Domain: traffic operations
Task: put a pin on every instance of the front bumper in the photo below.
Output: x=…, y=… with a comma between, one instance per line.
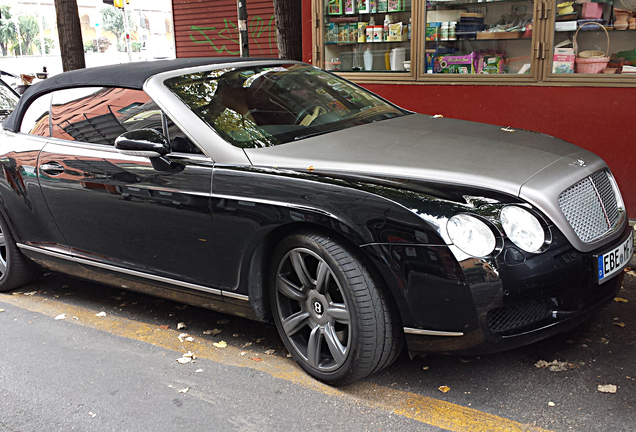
x=512, y=300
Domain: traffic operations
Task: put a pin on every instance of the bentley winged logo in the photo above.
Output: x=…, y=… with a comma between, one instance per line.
x=578, y=163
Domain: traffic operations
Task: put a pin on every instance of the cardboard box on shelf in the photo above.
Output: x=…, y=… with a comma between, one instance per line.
x=563, y=61
x=455, y=64
x=432, y=31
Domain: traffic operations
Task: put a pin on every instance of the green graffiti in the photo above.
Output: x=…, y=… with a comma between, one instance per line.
x=257, y=27
x=210, y=35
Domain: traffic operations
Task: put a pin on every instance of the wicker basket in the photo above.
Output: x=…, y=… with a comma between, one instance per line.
x=591, y=61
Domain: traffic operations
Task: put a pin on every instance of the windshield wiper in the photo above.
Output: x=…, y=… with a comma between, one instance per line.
x=300, y=137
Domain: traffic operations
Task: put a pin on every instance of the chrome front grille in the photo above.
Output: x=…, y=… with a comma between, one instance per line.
x=591, y=206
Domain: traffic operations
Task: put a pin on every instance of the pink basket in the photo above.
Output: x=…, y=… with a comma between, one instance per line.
x=591, y=62
x=591, y=65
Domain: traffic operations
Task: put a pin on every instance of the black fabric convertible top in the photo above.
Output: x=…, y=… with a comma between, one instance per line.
x=129, y=75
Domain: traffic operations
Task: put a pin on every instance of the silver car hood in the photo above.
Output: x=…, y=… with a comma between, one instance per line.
x=420, y=147
x=453, y=151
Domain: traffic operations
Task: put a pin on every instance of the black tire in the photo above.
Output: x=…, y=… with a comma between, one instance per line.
x=16, y=270
x=334, y=319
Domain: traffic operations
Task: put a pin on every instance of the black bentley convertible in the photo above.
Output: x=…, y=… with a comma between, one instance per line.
x=276, y=191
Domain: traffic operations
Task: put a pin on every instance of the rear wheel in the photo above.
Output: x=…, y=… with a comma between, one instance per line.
x=15, y=269
x=333, y=318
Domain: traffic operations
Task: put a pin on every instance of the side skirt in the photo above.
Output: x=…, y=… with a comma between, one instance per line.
x=158, y=286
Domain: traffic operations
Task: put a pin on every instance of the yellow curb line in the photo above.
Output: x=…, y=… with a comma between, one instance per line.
x=424, y=409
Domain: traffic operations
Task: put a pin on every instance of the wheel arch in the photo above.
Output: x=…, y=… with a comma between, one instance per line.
x=256, y=277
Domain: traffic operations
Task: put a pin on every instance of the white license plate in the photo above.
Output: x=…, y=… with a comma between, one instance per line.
x=613, y=261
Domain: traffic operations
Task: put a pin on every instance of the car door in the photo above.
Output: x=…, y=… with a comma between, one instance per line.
x=119, y=211
x=22, y=199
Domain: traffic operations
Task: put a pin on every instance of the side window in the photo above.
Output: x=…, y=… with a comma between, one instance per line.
x=36, y=117
x=98, y=115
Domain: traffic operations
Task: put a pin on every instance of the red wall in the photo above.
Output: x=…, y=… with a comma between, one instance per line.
x=597, y=119
x=206, y=28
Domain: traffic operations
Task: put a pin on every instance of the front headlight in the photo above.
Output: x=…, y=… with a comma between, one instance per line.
x=471, y=235
x=522, y=228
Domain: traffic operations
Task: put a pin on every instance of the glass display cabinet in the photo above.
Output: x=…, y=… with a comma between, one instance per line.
x=556, y=42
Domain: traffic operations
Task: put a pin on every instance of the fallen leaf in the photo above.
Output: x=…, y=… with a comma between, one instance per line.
x=185, y=390
x=259, y=340
x=164, y=326
x=181, y=325
x=256, y=359
x=605, y=341
x=235, y=335
x=31, y=293
x=620, y=300
x=247, y=344
x=76, y=318
x=443, y=389
x=551, y=404
x=607, y=388
x=60, y=317
x=190, y=339
x=425, y=368
x=123, y=304
x=101, y=314
x=220, y=344
x=630, y=272
x=182, y=336
x=620, y=324
x=270, y=352
x=223, y=322
x=554, y=366
x=288, y=355
x=187, y=357
x=212, y=332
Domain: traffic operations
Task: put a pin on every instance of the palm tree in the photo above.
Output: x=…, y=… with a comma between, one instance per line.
x=7, y=29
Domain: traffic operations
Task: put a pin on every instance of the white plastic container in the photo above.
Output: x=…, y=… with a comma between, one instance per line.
x=398, y=55
x=444, y=31
x=368, y=59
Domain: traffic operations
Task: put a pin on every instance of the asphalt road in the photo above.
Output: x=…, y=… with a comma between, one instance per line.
x=119, y=372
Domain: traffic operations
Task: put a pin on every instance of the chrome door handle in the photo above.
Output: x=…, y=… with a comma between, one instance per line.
x=52, y=168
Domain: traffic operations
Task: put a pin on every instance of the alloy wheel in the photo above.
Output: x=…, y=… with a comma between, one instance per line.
x=312, y=310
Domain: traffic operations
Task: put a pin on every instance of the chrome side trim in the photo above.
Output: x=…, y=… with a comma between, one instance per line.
x=173, y=191
x=423, y=332
x=45, y=251
x=128, y=272
x=271, y=202
x=233, y=295
x=149, y=276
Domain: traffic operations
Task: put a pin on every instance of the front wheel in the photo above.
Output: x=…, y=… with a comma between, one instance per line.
x=334, y=320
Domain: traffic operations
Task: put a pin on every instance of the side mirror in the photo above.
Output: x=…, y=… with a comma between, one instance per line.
x=143, y=142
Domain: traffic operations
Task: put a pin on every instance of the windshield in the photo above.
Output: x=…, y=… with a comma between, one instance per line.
x=265, y=106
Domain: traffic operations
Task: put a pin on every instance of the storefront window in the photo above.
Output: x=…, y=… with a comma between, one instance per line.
x=367, y=35
x=479, y=37
x=594, y=38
